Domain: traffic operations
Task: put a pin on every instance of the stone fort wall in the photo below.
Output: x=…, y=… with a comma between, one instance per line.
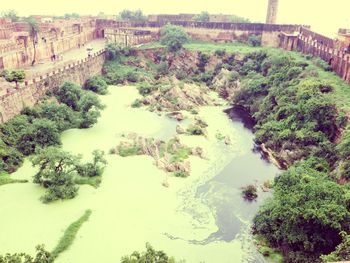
x=207, y=31
x=13, y=101
x=331, y=51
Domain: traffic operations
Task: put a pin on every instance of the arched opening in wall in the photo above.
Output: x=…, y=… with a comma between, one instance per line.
x=103, y=33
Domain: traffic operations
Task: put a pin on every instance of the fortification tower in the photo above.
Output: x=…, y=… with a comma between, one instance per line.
x=272, y=12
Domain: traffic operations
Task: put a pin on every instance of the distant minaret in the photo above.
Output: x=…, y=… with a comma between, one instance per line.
x=272, y=12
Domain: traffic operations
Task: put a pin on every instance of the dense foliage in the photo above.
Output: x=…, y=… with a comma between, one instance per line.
x=42, y=256
x=97, y=84
x=306, y=214
x=173, y=37
x=129, y=15
x=298, y=119
x=202, y=17
x=150, y=256
x=58, y=170
x=40, y=126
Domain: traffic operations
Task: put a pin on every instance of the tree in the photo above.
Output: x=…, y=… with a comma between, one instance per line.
x=41, y=133
x=129, y=15
x=15, y=76
x=56, y=173
x=71, y=16
x=202, y=17
x=173, y=37
x=306, y=214
x=97, y=84
x=10, y=14
x=69, y=94
x=150, y=256
x=94, y=168
x=42, y=256
x=33, y=32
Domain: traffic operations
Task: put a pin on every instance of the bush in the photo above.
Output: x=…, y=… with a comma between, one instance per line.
x=250, y=192
x=42, y=256
x=163, y=68
x=180, y=74
x=150, y=255
x=145, y=88
x=173, y=37
x=220, y=52
x=254, y=41
x=69, y=94
x=132, y=76
x=97, y=84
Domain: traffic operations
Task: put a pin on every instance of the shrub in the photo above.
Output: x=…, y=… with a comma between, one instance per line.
x=254, y=41
x=173, y=37
x=97, y=84
x=220, y=52
x=132, y=76
x=137, y=104
x=250, y=192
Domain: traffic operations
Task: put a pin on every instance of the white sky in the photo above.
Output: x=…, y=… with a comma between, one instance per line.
x=324, y=16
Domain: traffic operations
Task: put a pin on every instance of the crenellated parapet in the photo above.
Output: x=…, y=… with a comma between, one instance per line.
x=13, y=100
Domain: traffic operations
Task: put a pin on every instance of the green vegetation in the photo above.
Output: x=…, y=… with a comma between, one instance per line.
x=254, y=41
x=150, y=256
x=202, y=17
x=342, y=251
x=10, y=14
x=42, y=256
x=135, y=16
x=34, y=30
x=239, y=19
x=69, y=235
x=6, y=179
x=129, y=150
x=14, y=76
x=250, y=192
x=173, y=37
x=41, y=125
x=306, y=214
x=97, y=84
x=60, y=171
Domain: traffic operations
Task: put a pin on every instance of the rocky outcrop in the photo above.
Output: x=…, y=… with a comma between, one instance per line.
x=168, y=156
x=225, y=84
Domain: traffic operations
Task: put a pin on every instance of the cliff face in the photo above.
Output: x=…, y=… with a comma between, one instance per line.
x=30, y=92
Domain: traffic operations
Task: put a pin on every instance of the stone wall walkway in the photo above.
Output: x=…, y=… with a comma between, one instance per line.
x=45, y=66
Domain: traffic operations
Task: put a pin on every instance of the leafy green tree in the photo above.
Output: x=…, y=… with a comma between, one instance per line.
x=254, y=41
x=173, y=37
x=69, y=94
x=71, y=16
x=42, y=256
x=15, y=76
x=10, y=14
x=33, y=32
x=150, y=256
x=128, y=15
x=306, y=214
x=94, y=168
x=56, y=173
x=41, y=133
x=64, y=117
x=202, y=17
x=97, y=84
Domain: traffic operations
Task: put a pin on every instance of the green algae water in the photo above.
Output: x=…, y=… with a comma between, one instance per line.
x=202, y=218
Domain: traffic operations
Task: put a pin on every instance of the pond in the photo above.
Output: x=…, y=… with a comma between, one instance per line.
x=202, y=218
